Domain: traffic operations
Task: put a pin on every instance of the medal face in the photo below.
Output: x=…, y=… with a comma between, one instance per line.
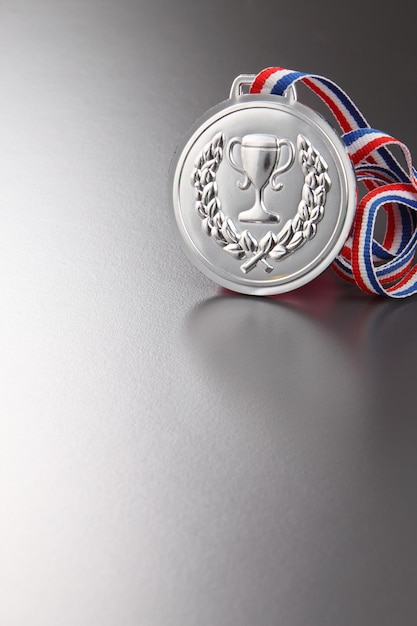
x=264, y=194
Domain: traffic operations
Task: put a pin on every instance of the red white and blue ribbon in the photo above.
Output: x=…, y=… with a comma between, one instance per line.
x=387, y=268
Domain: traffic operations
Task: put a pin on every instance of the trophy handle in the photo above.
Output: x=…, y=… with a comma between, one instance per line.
x=286, y=166
x=232, y=143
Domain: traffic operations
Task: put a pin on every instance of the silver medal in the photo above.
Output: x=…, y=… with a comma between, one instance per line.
x=264, y=193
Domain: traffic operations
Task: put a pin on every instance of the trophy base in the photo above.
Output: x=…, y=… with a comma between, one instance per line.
x=258, y=215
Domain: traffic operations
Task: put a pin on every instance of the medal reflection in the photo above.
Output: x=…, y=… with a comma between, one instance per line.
x=261, y=157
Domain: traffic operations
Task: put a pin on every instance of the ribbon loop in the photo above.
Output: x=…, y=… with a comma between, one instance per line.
x=386, y=268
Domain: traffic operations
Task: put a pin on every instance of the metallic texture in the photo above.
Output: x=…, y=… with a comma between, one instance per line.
x=260, y=156
x=261, y=137
x=296, y=232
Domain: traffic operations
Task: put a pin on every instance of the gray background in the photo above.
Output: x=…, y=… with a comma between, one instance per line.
x=170, y=454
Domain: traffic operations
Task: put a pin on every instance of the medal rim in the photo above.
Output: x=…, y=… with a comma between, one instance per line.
x=348, y=193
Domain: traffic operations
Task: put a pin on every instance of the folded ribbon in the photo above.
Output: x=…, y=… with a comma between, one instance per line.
x=387, y=268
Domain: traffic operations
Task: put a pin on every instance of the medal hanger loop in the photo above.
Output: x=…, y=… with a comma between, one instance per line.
x=241, y=84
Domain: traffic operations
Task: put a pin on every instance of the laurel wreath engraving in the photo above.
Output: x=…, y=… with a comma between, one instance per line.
x=243, y=245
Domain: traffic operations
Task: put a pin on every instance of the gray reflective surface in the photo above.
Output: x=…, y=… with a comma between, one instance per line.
x=172, y=454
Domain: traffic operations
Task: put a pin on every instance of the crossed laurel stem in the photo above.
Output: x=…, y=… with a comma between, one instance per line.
x=296, y=231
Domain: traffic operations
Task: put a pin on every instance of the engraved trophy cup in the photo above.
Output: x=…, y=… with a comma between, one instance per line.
x=261, y=157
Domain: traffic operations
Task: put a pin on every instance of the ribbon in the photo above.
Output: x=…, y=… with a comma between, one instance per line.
x=387, y=268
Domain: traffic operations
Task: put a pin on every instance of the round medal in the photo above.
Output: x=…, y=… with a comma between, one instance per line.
x=264, y=193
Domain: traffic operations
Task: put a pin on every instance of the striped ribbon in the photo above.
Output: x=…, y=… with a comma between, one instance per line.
x=385, y=268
